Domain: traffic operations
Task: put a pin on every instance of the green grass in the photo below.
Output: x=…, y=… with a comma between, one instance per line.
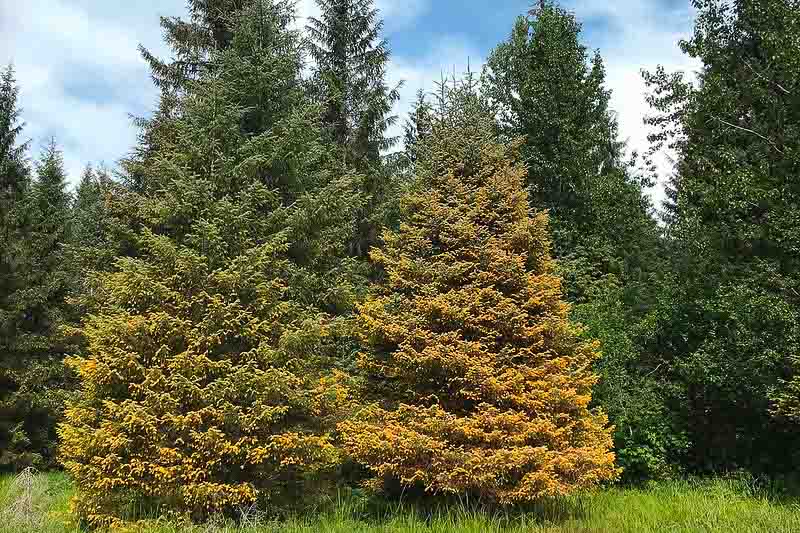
x=721, y=505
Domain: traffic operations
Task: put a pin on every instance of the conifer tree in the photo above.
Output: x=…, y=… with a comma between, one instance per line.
x=351, y=59
x=207, y=384
x=31, y=314
x=13, y=169
x=549, y=90
x=192, y=41
x=730, y=323
x=417, y=127
x=481, y=384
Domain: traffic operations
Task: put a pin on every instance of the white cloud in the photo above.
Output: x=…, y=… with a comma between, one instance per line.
x=399, y=13
x=644, y=36
x=80, y=74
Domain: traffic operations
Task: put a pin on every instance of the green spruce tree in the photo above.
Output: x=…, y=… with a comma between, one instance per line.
x=31, y=316
x=351, y=60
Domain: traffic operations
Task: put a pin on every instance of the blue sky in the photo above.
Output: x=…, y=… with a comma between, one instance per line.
x=81, y=75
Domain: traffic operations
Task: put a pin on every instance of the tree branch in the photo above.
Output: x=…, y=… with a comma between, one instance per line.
x=773, y=82
x=749, y=131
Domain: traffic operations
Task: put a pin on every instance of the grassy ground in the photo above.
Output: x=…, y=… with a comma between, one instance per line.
x=40, y=504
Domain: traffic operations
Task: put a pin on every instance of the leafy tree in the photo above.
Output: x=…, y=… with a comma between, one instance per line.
x=550, y=91
x=349, y=80
x=481, y=384
x=729, y=337
x=208, y=383
x=31, y=314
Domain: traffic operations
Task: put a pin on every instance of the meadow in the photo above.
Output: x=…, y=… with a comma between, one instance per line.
x=40, y=504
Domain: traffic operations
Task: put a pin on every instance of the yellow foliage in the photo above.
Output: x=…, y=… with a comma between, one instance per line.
x=205, y=400
x=480, y=383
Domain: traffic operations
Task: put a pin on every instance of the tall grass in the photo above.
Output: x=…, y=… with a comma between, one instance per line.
x=720, y=505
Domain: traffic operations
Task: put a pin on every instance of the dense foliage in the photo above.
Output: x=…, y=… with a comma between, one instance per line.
x=550, y=91
x=728, y=328
x=482, y=386
x=269, y=298
x=34, y=281
x=207, y=382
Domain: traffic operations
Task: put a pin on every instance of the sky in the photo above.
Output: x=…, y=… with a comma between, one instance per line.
x=81, y=77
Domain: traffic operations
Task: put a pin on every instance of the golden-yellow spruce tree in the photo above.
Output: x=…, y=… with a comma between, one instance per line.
x=481, y=384
x=206, y=381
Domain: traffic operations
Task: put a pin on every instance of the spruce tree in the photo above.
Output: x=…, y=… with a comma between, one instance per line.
x=349, y=80
x=730, y=324
x=549, y=90
x=192, y=42
x=207, y=382
x=13, y=168
x=481, y=385
x=417, y=127
x=31, y=315
x=350, y=74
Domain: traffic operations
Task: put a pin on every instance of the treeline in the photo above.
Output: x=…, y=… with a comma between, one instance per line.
x=271, y=296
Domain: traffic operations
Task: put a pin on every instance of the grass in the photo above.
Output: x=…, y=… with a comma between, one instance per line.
x=41, y=504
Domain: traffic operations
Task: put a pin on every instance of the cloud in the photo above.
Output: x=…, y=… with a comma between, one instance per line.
x=80, y=74
x=633, y=35
x=398, y=14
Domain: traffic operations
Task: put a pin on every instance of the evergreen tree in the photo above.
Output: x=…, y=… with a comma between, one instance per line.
x=351, y=60
x=13, y=168
x=551, y=92
x=417, y=127
x=192, y=42
x=481, y=384
x=730, y=324
x=207, y=383
x=31, y=314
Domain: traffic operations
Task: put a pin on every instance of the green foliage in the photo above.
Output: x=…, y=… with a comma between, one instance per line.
x=13, y=167
x=208, y=382
x=349, y=81
x=192, y=41
x=728, y=505
x=32, y=307
x=729, y=330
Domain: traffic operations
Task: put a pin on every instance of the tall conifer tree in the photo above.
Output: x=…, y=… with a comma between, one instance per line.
x=217, y=333
x=31, y=314
x=351, y=58
x=481, y=385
